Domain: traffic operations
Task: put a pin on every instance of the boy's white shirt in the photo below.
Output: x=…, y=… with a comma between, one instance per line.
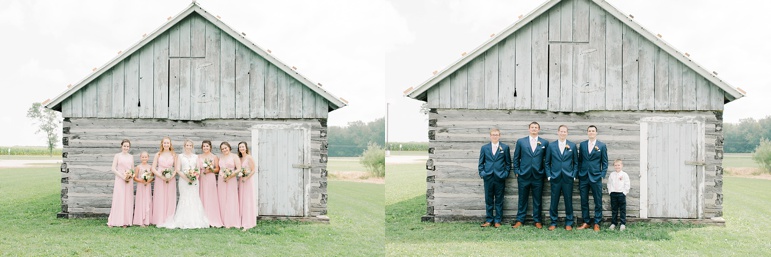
x=615, y=185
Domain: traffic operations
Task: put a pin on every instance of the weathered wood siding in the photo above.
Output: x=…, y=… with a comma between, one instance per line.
x=195, y=71
x=91, y=143
x=455, y=191
x=576, y=57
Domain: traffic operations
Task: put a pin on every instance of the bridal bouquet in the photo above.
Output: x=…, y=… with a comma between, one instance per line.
x=147, y=175
x=191, y=175
x=207, y=165
x=244, y=173
x=129, y=173
x=227, y=172
x=167, y=173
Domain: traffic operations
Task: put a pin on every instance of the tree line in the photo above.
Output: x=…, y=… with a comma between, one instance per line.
x=353, y=139
x=745, y=136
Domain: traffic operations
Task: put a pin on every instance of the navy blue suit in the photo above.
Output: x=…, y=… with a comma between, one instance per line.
x=561, y=169
x=494, y=169
x=591, y=169
x=529, y=167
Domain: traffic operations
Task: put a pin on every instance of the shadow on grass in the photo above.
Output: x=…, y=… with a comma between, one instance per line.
x=403, y=225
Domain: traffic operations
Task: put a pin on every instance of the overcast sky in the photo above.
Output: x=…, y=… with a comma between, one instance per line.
x=358, y=49
x=729, y=37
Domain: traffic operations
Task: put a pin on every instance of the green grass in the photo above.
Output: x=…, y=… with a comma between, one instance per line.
x=745, y=209
x=739, y=160
x=30, y=201
x=336, y=164
x=410, y=153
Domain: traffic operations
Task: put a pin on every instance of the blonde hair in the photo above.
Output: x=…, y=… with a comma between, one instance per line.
x=171, y=146
x=495, y=130
x=144, y=153
x=191, y=143
x=617, y=161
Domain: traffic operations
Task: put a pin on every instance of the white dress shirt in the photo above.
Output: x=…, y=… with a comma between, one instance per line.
x=618, y=181
x=495, y=148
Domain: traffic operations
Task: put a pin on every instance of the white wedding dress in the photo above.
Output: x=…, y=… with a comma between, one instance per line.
x=190, y=212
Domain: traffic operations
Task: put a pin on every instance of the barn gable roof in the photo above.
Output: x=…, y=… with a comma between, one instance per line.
x=334, y=102
x=420, y=92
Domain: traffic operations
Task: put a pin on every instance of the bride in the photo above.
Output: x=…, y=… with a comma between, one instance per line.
x=190, y=212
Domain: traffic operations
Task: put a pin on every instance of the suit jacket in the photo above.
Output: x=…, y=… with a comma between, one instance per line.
x=593, y=164
x=565, y=163
x=498, y=165
x=529, y=164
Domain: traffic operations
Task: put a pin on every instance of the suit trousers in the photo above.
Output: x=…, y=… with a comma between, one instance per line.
x=618, y=204
x=584, y=185
x=525, y=187
x=494, y=188
x=561, y=186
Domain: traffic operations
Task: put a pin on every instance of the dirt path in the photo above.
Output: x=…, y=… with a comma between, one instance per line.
x=26, y=163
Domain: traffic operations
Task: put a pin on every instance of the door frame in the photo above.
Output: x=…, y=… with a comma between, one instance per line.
x=306, y=130
x=700, y=169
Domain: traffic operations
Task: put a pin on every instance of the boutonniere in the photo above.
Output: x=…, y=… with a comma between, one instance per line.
x=500, y=149
x=567, y=147
x=538, y=142
x=596, y=148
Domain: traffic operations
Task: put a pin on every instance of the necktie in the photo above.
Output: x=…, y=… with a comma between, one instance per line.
x=562, y=148
x=532, y=144
x=591, y=147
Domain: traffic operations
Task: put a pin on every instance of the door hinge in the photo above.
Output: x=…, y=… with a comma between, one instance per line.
x=695, y=163
x=301, y=166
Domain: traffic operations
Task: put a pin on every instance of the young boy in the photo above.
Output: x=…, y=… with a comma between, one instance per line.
x=618, y=186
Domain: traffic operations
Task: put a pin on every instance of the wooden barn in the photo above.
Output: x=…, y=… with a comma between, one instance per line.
x=196, y=78
x=580, y=62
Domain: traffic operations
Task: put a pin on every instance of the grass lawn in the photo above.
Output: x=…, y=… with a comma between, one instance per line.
x=401, y=153
x=29, y=226
x=739, y=160
x=746, y=210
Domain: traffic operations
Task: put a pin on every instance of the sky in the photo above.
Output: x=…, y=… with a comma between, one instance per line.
x=365, y=51
x=729, y=37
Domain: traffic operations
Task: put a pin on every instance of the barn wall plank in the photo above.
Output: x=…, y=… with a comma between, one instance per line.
x=90, y=98
x=308, y=103
x=675, y=84
x=646, y=75
x=661, y=80
x=243, y=66
x=581, y=20
x=555, y=22
x=131, y=98
x=283, y=94
x=689, y=88
x=630, y=70
x=555, y=90
x=476, y=83
x=295, y=98
x=212, y=86
x=445, y=93
x=582, y=56
x=717, y=97
x=197, y=37
x=702, y=94
x=146, y=79
x=105, y=95
x=595, y=99
x=77, y=104
x=491, y=78
x=258, y=70
x=613, y=64
x=227, y=95
x=540, y=63
x=523, y=69
x=566, y=69
x=566, y=21
x=433, y=97
x=271, y=92
x=174, y=68
x=118, y=89
x=161, y=78
x=507, y=73
x=459, y=88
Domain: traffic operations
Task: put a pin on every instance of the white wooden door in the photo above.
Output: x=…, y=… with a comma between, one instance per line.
x=673, y=167
x=281, y=185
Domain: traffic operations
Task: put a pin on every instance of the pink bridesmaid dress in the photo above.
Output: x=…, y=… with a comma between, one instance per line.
x=209, y=198
x=228, y=195
x=248, y=206
x=122, y=195
x=143, y=205
x=165, y=195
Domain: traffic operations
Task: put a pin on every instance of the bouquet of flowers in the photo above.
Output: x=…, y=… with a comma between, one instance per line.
x=147, y=175
x=227, y=172
x=129, y=174
x=167, y=173
x=207, y=165
x=192, y=175
x=244, y=173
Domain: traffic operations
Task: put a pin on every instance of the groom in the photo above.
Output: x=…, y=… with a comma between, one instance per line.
x=592, y=165
x=529, y=166
x=494, y=166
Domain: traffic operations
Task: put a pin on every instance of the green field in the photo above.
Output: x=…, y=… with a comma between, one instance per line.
x=745, y=210
x=739, y=160
x=402, y=153
x=30, y=228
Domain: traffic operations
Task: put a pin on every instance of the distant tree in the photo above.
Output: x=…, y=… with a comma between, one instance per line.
x=744, y=137
x=48, y=122
x=762, y=154
x=353, y=139
x=373, y=160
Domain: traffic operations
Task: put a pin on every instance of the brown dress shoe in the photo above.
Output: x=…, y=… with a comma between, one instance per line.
x=538, y=225
x=568, y=228
x=551, y=228
x=516, y=225
x=497, y=225
x=584, y=226
x=486, y=224
x=596, y=227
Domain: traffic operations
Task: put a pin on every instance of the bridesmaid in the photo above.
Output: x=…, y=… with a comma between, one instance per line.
x=165, y=191
x=143, y=205
x=123, y=189
x=208, y=185
x=246, y=189
x=227, y=187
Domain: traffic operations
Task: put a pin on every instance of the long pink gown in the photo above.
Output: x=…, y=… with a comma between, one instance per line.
x=122, y=195
x=165, y=195
x=209, y=198
x=228, y=194
x=248, y=206
x=143, y=207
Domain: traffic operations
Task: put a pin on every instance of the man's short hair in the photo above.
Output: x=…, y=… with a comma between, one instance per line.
x=593, y=126
x=561, y=126
x=536, y=123
x=495, y=130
